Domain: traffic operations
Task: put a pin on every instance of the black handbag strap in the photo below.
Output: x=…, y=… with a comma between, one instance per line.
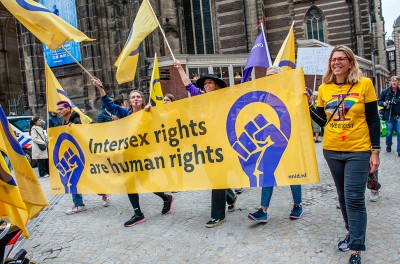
x=337, y=107
x=40, y=135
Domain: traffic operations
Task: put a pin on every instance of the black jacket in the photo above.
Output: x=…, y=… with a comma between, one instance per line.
x=393, y=101
x=74, y=118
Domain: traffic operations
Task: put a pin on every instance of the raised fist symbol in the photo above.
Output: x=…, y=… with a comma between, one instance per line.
x=70, y=168
x=71, y=164
x=262, y=144
x=260, y=148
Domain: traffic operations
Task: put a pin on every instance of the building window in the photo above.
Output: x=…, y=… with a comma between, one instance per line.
x=391, y=56
x=392, y=66
x=198, y=24
x=230, y=74
x=196, y=73
x=315, y=24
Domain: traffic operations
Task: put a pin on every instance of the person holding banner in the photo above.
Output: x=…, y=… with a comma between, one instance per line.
x=347, y=107
x=220, y=197
x=136, y=103
x=261, y=215
x=64, y=110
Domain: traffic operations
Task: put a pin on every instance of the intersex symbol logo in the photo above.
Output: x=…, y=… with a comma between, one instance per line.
x=262, y=144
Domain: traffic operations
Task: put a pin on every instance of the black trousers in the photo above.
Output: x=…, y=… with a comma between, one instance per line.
x=43, y=165
x=134, y=199
x=219, y=199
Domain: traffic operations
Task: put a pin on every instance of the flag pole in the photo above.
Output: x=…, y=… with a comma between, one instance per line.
x=77, y=62
x=265, y=40
x=313, y=90
x=162, y=31
x=152, y=76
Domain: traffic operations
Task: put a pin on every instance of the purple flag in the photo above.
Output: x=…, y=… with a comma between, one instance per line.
x=259, y=56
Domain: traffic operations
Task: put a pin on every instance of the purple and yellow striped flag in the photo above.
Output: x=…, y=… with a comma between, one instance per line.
x=145, y=23
x=55, y=93
x=21, y=196
x=286, y=56
x=156, y=93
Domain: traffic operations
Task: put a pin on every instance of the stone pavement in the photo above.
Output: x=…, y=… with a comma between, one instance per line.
x=98, y=235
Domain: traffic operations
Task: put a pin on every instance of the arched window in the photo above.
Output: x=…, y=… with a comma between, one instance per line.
x=315, y=24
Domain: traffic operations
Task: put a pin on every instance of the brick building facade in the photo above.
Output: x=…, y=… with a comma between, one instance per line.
x=396, y=46
x=207, y=36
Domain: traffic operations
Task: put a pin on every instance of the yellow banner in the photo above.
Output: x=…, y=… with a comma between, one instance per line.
x=252, y=134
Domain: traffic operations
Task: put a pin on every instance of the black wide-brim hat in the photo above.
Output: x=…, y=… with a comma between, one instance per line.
x=218, y=81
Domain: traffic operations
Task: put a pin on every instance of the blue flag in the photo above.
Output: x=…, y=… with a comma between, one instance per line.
x=259, y=56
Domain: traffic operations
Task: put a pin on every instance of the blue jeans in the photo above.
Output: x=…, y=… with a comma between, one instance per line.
x=393, y=124
x=350, y=173
x=266, y=194
x=77, y=199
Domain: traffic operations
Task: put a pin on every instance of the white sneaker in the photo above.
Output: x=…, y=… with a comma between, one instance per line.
x=374, y=196
x=76, y=209
x=45, y=176
x=106, y=199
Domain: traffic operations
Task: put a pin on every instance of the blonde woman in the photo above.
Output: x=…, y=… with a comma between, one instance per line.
x=347, y=107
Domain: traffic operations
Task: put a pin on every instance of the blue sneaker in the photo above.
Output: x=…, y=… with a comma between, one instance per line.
x=343, y=245
x=297, y=212
x=260, y=216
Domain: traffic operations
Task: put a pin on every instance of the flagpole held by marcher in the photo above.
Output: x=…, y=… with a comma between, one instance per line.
x=77, y=62
x=162, y=32
x=263, y=33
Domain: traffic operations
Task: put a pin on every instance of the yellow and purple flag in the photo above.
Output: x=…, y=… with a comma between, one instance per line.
x=49, y=28
x=156, y=93
x=21, y=196
x=56, y=93
x=145, y=23
x=286, y=58
x=259, y=56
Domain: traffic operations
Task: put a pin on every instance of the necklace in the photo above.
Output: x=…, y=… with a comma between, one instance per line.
x=342, y=114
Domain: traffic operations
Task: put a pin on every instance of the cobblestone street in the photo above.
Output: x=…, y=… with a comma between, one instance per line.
x=98, y=235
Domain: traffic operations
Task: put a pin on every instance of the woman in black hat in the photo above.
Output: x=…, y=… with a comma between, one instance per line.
x=219, y=197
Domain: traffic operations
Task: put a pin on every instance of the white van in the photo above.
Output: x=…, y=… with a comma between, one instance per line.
x=20, y=126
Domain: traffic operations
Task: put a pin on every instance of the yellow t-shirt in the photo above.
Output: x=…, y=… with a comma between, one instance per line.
x=348, y=130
